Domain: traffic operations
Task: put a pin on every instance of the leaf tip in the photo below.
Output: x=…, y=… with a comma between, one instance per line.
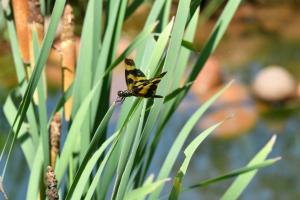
x=231, y=82
x=172, y=19
x=273, y=139
x=155, y=24
x=277, y=158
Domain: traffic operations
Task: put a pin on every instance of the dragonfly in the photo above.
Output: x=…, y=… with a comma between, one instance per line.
x=137, y=83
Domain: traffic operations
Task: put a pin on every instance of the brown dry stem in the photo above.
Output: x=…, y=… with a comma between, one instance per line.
x=21, y=15
x=55, y=132
x=51, y=184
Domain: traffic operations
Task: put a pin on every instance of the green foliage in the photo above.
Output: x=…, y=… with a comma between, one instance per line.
x=93, y=159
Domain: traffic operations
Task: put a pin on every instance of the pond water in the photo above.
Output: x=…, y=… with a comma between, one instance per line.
x=250, y=45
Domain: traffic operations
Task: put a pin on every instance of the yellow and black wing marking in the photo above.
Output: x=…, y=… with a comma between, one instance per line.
x=132, y=74
x=137, y=83
x=147, y=88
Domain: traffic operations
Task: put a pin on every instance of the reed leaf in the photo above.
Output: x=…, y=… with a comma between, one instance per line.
x=188, y=152
x=239, y=185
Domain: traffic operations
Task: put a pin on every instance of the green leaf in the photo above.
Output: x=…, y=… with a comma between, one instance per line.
x=234, y=173
x=27, y=146
x=128, y=164
x=75, y=129
x=142, y=192
x=154, y=13
x=112, y=157
x=176, y=92
x=61, y=102
x=89, y=166
x=165, y=16
x=88, y=154
x=169, y=82
x=89, y=45
x=98, y=174
x=132, y=7
x=153, y=16
x=159, y=48
x=215, y=37
x=188, y=152
x=180, y=139
x=209, y=47
x=102, y=60
x=109, y=162
x=126, y=142
x=86, y=67
x=41, y=61
x=35, y=174
x=41, y=104
x=43, y=7
x=21, y=78
x=15, y=50
x=135, y=43
x=239, y=185
x=189, y=45
x=210, y=9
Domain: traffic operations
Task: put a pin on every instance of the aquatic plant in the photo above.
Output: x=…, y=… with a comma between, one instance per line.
x=92, y=159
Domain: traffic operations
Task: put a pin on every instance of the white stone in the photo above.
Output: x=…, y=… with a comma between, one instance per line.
x=274, y=83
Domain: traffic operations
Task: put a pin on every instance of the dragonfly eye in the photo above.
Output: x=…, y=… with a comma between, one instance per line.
x=129, y=61
x=120, y=93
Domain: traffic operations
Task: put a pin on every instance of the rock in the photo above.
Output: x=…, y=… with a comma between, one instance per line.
x=235, y=94
x=238, y=120
x=274, y=83
x=235, y=105
x=298, y=90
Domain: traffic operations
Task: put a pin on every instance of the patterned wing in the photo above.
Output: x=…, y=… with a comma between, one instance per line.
x=132, y=74
x=148, y=88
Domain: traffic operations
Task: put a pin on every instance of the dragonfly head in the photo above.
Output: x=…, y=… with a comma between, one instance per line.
x=124, y=93
x=129, y=62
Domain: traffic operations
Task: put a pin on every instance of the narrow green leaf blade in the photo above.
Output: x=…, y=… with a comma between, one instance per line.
x=98, y=134
x=235, y=173
x=89, y=166
x=89, y=45
x=136, y=42
x=182, y=136
x=42, y=112
x=215, y=37
x=142, y=192
x=41, y=61
x=27, y=146
x=239, y=185
x=73, y=132
x=177, y=92
x=99, y=172
x=35, y=175
x=124, y=177
x=189, y=151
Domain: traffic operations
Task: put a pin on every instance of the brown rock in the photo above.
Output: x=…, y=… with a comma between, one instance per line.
x=298, y=90
x=236, y=93
x=240, y=120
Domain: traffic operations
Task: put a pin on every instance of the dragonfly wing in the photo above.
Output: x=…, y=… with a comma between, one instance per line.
x=132, y=74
